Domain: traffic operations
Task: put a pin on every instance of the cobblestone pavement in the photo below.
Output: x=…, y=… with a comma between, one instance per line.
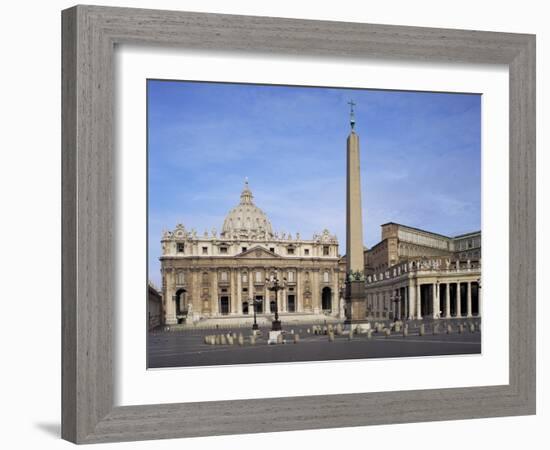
x=187, y=348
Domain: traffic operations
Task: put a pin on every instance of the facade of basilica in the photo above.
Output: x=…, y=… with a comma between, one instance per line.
x=222, y=276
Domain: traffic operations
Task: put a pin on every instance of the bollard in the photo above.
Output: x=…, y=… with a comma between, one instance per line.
x=230, y=340
x=339, y=329
x=218, y=339
x=350, y=335
x=369, y=334
x=331, y=337
x=449, y=329
x=387, y=332
x=421, y=330
x=308, y=331
x=223, y=339
x=461, y=328
x=240, y=339
x=397, y=327
x=296, y=338
x=252, y=339
x=435, y=329
x=405, y=331
x=472, y=328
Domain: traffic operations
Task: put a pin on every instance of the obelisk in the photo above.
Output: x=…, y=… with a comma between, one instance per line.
x=355, y=263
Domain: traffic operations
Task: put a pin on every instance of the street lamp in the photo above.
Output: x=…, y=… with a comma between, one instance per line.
x=255, y=303
x=396, y=298
x=275, y=285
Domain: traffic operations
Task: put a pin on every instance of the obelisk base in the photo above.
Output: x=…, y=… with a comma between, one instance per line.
x=356, y=308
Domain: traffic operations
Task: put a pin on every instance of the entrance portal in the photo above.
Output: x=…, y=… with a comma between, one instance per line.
x=259, y=304
x=224, y=305
x=291, y=303
x=326, y=301
x=181, y=307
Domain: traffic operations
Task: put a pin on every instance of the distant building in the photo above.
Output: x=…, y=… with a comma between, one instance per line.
x=155, y=313
x=414, y=274
x=401, y=242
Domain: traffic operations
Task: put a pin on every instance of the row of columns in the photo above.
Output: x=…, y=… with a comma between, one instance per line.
x=409, y=300
x=436, y=291
x=235, y=292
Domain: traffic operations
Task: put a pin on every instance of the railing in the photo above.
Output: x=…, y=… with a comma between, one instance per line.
x=425, y=265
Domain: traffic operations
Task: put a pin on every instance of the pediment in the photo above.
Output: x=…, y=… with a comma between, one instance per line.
x=258, y=253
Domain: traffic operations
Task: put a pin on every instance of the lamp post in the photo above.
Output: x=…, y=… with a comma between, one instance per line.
x=255, y=303
x=396, y=298
x=275, y=285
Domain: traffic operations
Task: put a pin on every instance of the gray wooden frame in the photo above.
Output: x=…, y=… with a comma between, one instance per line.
x=89, y=35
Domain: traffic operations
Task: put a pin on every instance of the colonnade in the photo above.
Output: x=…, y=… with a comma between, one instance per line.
x=214, y=292
x=417, y=299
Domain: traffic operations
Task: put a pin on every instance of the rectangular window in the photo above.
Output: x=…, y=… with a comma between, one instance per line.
x=224, y=276
x=290, y=251
x=205, y=250
x=180, y=247
x=272, y=249
x=306, y=252
x=258, y=277
x=180, y=278
x=223, y=250
x=326, y=250
x=291, y=276
x=244, y=249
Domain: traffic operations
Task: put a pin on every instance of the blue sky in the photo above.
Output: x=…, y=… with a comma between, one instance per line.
x=420, y=158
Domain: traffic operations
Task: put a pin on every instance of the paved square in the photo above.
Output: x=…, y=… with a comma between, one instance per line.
x=187, y=348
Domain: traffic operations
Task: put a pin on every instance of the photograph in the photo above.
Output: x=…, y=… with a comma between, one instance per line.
x=299, y=223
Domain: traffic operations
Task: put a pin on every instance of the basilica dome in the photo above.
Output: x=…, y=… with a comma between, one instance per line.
x=246, y=219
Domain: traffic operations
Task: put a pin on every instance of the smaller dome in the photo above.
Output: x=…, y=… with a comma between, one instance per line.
x=246, y=218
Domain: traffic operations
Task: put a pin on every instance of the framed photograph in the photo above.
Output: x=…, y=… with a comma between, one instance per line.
x=287, y=217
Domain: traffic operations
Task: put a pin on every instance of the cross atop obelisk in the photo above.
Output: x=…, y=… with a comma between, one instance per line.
x=355, y=263
x=352, y=114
